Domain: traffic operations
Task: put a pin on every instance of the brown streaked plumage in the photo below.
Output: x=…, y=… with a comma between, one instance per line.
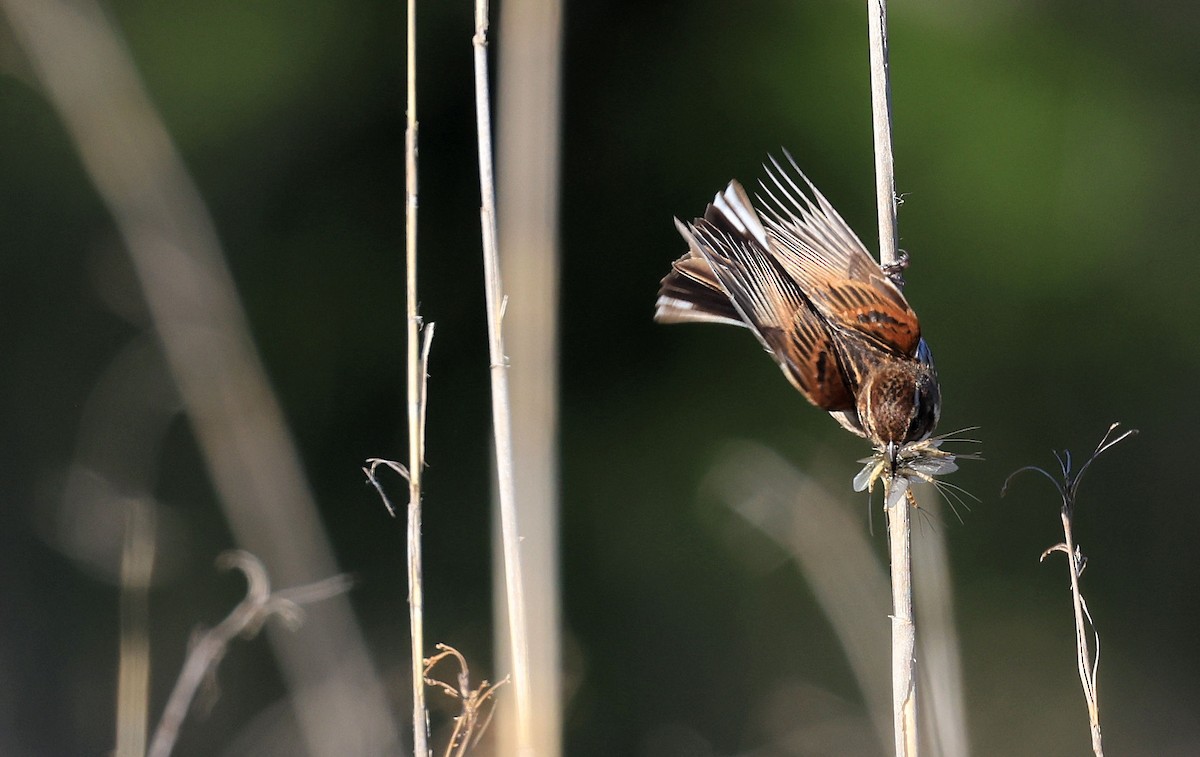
x=801, y=281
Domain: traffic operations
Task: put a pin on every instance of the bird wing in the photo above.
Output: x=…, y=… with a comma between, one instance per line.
x=732, y=241
x=818, y=250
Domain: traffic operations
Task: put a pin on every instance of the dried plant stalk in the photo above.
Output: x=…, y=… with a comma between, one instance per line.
x=904, y=698
x=1067, y=485
x=881, y=117
x=904, y=630
x=501, y=412
x=1084, y=661
x=417, y=373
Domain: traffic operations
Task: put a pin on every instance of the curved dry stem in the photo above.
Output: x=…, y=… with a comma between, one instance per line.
x=373, y=464
x=208, y=648
x=471, y=723
x=1034, y=469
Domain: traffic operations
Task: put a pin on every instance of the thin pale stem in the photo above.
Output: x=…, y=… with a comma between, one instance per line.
x=904, y=632
x=501, y=413
x=416, y=377
x=1082, y=651
x=904, y=697
x=881, y=117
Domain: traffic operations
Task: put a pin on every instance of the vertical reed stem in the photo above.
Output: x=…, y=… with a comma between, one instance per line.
x=416, y=400
x=881, y=118
x=904, y=632
x=501, y=412
x=904, y=709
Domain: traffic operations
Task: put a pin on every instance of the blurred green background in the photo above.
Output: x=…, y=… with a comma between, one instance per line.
x=1047, y=153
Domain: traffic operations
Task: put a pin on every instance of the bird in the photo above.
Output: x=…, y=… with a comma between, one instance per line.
x=794, y=273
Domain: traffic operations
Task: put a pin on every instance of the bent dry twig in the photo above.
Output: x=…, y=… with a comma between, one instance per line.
x=208, y=648
x=1067, y=485
x=471, y=723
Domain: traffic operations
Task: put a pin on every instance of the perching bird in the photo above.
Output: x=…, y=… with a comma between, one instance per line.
x=796, y=275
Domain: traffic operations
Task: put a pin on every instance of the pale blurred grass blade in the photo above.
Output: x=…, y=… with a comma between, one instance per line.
x=527, y=130
x=133, y=664
x=942, y=707
x=832, y=551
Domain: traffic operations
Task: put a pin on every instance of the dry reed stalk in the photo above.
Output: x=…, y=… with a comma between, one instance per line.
x=416, y=385
x=904, y=631
x=501, y=411
x=881, y=119
x=904, y=634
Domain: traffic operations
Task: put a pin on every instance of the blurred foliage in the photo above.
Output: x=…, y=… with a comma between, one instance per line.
x=1047, y=157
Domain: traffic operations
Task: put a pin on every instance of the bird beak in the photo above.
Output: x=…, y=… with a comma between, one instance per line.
x=890, y=451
